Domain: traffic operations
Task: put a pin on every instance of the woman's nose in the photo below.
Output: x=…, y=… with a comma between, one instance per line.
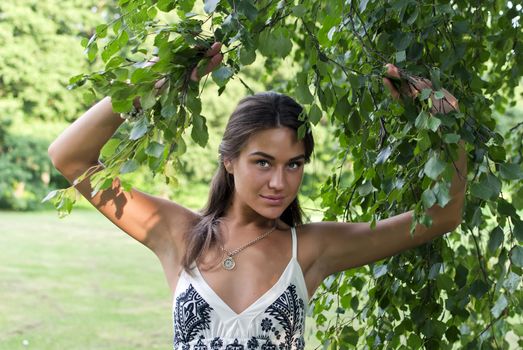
x=277, y=181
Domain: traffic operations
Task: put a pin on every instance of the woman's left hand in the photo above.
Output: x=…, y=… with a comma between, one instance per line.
x=413, y=88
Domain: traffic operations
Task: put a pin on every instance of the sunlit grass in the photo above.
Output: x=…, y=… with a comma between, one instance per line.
x=78, y=283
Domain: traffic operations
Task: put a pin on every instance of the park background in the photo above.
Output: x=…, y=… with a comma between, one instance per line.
x=79, y=282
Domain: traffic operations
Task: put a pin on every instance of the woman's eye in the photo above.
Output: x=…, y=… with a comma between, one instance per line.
x=294, y=165
x=262, y=163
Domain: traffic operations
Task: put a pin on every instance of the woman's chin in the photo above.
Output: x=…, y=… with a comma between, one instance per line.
x=270, y=213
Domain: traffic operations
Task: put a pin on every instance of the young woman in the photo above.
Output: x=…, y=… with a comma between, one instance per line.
x=242, y=271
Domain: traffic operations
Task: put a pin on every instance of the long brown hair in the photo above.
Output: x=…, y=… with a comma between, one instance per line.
x=254, y=113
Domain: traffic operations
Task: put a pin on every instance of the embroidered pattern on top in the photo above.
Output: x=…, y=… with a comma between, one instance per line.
x=282, y=324
x=191, y=316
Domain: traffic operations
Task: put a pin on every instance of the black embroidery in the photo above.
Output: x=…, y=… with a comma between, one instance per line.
x=191, y=315
x=252, y=344
x=266, y=325
x=268, y=346
x=200, y=345
x=235, y=346
x=216, y=343
x=289, y=311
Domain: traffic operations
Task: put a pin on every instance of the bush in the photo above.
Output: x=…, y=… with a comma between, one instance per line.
x=26, y=172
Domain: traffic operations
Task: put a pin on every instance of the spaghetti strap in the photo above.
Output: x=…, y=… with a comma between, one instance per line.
x=294, y=243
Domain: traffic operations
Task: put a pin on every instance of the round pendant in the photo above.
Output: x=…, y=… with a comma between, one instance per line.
x=228, y=263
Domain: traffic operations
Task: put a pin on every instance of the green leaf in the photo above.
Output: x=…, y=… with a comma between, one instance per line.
x=121, y=106
x=507, y=209
x=354, y=121
x=299, y=10
x=282, y=43
x=155, y=149
x=495, y=239
x=461, y=276
x=402, y=40
x=442, y=192
x=435, y=78
x=303, y=93
x=478, y=288
x=148, y=100
x=123, y=39
x=193, y=103
x=222, y=75
x=366, y=104
x=518, y=230
x=516, y=256
x=110, y=147
x=428, y=198
x=199, y=131
x=139, y=129
x=50, y=195
x=246, y=8
x=435, y=270
x=275, y=43
x=139, y=75
x=379, y=270
x=401, y=56
x=91, y=51
x=452, y=334
x=510, y=171
x=342, y=110
x=434, y=123
x=366, y=188
x=383, y=155
x=445, y=282
x=499, y=306
x=488, y=187
x=101, y=31
x=302, y=129
x=425, y=94
x=422, y=120
x=168, y=109
x=210, y=5
x=438, y=95
x=414, y=341
x=434, y=167
x=247, y=57
x=314, y=114
x=451, y=138
x=511, y=282
x=129, y=166
x=497, y=153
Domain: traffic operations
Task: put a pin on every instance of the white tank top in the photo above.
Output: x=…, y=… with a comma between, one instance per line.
x=202, y=320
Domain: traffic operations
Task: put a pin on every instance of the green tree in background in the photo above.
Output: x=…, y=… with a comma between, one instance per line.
x=460, y=291
x=39, y=50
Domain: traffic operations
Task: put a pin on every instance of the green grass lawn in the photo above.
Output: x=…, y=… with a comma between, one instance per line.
x=80, y=283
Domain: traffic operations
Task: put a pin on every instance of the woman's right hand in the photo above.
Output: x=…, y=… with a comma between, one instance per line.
x=215, y=59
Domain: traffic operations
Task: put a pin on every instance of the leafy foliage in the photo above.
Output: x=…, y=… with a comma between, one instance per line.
x=38, y=55
x=461, y=290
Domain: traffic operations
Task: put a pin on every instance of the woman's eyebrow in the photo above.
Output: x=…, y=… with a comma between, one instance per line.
x=263, y=154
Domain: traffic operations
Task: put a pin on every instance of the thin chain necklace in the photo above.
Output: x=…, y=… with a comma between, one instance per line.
x=228, y=263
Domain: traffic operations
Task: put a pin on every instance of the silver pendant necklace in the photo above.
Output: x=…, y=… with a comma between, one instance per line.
x=228, y=263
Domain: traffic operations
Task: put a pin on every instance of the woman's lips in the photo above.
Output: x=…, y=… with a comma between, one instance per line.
x=275, y=200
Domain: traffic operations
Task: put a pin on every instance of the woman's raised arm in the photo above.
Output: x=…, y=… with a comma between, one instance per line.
x=346, y=245
x=157, y=223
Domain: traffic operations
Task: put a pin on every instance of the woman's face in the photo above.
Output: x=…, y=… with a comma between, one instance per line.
x=268, y=171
